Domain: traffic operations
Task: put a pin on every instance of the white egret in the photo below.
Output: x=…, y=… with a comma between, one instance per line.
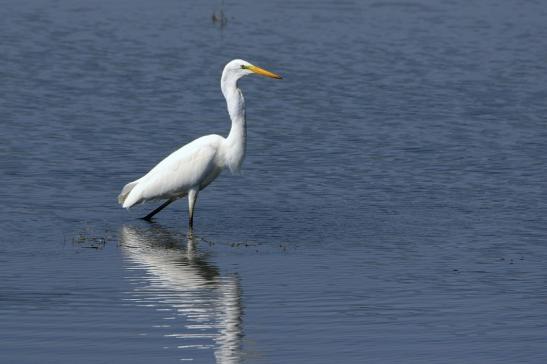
x=193, y=167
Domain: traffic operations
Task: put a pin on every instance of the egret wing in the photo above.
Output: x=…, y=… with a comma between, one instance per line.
x=183, y=169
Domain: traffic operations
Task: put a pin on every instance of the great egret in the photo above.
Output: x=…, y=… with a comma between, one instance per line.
x=194, y=166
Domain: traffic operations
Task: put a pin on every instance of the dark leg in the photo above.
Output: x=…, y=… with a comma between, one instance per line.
x=192, y=197
x=164, y=205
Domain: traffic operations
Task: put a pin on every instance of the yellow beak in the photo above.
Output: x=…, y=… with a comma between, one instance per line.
x=263, y=72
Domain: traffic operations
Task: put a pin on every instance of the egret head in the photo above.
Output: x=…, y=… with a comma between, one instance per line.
x=238, y=68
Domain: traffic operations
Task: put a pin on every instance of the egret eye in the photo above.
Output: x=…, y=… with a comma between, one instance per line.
x=243, y=67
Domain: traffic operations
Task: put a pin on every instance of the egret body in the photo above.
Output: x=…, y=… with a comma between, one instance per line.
x=194, y=166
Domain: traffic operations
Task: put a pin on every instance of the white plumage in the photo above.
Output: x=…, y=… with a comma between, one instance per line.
x=190, y=166
x=194, y=166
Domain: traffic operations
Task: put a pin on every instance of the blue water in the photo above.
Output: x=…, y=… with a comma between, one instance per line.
x=392, y=206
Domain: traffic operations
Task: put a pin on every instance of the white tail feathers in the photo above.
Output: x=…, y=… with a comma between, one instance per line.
x=125, y=192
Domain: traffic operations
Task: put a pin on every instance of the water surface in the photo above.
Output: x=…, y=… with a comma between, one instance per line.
x=391, y=207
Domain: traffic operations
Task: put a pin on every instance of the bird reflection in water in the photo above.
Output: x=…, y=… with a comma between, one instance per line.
x=179, y=277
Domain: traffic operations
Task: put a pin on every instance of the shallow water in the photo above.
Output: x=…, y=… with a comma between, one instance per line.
x=392, y=206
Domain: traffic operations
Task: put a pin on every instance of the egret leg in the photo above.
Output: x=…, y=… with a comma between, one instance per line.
x=163, y=205
x=192, y=198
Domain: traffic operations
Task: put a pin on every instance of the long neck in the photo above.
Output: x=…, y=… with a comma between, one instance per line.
x=236, y=141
